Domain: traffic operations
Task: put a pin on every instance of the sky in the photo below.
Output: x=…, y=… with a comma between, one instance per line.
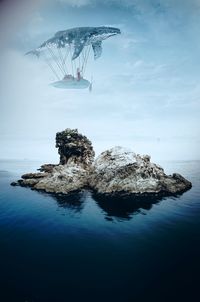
x=146, y=89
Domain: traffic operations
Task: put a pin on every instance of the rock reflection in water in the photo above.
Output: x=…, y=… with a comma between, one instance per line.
x=123, y=208
x=73, y=201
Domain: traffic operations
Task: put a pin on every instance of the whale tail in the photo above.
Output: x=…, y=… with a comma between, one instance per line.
x=33, y=52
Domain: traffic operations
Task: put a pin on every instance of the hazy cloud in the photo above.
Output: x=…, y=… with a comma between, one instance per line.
x=146, y=84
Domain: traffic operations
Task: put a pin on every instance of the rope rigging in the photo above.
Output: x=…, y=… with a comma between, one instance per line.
x=55, y=60
x=60, y=55
x=50, y=65
x=61, y=60
x=73, y=43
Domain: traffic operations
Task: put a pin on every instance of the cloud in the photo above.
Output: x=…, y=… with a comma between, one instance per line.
x=141, y=5
x=145, y=83
x=76, y=3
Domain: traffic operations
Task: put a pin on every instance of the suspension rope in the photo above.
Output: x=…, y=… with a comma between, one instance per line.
x=55, y=60
x=50, y=66
x=83, y=59
x=79, y=63
x=71, y=60
x=65, y=59
x=75, y=66
x=61, y=59
x=58, y=59
x=88, y=53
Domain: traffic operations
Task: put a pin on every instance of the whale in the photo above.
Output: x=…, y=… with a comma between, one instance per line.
x=78, y=38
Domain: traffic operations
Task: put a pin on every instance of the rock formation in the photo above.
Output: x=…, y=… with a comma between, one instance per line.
x=121, y=171
x=76, y=157
x=115, y=172
x=74, y=148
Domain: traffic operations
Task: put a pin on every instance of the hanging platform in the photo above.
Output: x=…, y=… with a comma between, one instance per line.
x=70, y=82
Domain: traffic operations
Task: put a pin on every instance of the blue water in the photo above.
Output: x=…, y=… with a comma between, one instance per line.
x=83, y=249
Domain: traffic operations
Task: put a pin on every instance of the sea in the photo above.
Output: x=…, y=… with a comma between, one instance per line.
x=82, y=248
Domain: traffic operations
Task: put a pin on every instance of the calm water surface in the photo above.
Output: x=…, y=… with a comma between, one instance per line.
x=84, y=249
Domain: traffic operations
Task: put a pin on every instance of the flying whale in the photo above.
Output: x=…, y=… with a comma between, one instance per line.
x=78, y=38
x=61, y=51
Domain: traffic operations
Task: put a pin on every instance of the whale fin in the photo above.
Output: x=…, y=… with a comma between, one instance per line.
x=33, y=52
x=78, y=47
x=97, y=48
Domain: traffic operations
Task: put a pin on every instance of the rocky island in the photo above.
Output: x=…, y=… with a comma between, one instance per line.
x=115, y=172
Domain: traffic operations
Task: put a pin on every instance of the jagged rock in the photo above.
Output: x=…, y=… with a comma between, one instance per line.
x=47, y=168
x=74, y=148
x=33, y=175
x=64, y=179
x=29, y=182
x=14, y=183
x=76, y=156
x=117, y=171
x=121, y=171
